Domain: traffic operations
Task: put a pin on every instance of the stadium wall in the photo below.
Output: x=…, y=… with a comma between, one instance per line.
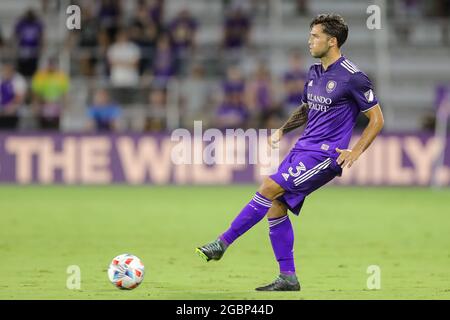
x=392, y=160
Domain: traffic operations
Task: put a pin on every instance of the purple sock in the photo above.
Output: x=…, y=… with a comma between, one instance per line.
x=250, y=215
x=282, y=238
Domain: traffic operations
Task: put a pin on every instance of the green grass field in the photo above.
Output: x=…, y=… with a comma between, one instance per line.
x=340, y=232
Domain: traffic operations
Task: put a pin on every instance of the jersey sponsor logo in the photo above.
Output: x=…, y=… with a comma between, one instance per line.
x=319, y=103
x=319, y=99
x=331, y=85
x=369, y=95
x=318, y=107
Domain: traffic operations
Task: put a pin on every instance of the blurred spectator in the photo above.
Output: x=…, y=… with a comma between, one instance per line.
x=50, y=87
x=294, y=82
x=259, y=90
x=50, y=6
x=164, y=63
x=87, y=39
x=442, y=99
x=182, y=31
x=273, y=119
x=441, y=109
x=443, y=10
x=262, y=6
x=428, y=122
x=13, y=89
x=156, y=114
x=196, y=95
x=144, y=33
x=28, y=37
x=123, y=58
x=232, y=114
x=103, y=114
x=234, y=83
x=1, y=38
x=407, y=12
x=246, y=5
x=236, y=29
x=109, y=16
x=141, y=17
x=302, y=7
x=156, y=12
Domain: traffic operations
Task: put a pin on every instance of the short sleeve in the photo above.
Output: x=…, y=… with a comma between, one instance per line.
x=361, y=89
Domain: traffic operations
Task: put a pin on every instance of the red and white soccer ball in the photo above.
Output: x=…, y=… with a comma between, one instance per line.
x=126, y=271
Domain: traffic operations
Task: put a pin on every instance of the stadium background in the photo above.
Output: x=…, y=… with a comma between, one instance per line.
x=96, y=107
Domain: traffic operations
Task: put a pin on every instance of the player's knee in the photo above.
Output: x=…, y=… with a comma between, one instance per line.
x=277, y=210
x=270, y=189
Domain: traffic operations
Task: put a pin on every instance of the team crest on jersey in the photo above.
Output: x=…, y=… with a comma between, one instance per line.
x=369, y=95
x=331, y=85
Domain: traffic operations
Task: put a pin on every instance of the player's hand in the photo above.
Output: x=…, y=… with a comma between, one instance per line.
x=347, y=157
x=275, y=138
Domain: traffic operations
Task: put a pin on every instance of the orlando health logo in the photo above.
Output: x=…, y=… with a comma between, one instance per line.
x=319, y=103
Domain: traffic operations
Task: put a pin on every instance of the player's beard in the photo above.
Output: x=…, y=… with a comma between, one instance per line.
x=320, y=54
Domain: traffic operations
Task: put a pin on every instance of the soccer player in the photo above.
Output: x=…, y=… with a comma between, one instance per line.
x=335, y=92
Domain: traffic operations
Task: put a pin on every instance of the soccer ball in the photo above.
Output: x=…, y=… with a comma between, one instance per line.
x=126, y=271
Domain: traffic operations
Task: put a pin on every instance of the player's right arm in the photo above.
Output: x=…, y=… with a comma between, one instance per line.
x=298, y=118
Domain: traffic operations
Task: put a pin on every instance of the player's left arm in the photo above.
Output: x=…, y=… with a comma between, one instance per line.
x=376, y=121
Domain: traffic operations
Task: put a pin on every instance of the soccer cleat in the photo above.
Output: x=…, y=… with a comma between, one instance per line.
x=282, y=283
x=212, y=251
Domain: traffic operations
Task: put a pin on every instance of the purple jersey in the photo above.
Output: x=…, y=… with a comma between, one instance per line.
x=182, y=31
x=335, y=97
x=232, y=115
x=29, y=35
x=164, y=63
x=6, y=92
x=235, y=28
x=233, y=87
x=10, y=88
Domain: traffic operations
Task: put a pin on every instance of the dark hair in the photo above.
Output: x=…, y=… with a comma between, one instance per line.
x=333, y=25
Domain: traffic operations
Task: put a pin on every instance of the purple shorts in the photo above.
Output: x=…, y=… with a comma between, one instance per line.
x=301, y=173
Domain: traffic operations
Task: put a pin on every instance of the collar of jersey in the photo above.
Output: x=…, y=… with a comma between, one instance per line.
x=331, y=66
